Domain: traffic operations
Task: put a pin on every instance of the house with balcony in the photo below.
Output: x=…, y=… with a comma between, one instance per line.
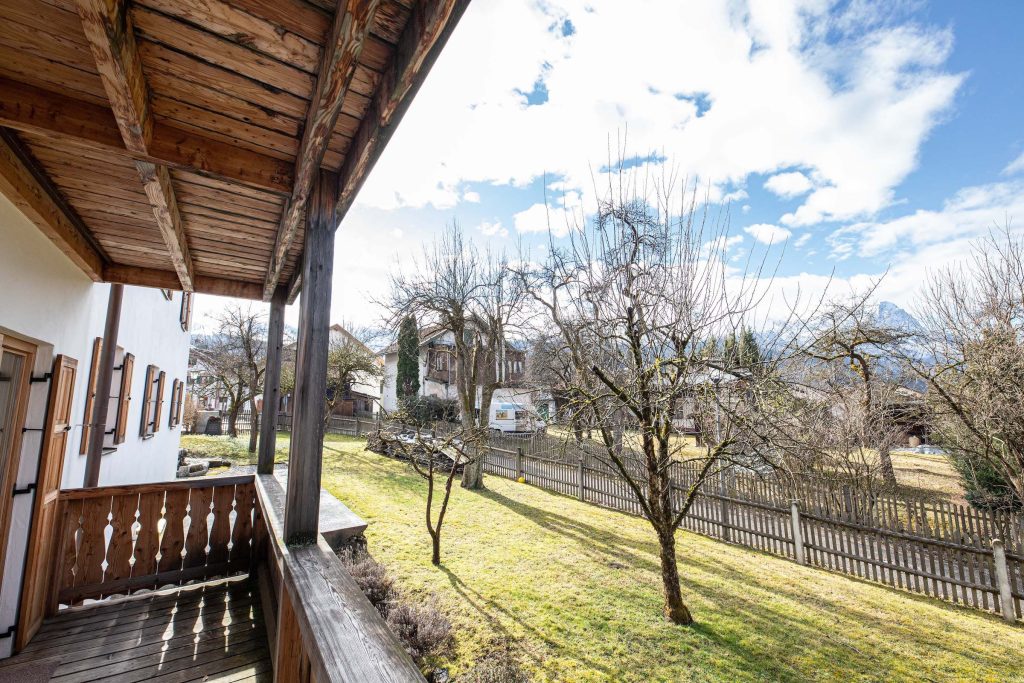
x=150, y=151
x=439, y=371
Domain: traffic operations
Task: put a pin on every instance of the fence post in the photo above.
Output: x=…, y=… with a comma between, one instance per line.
x=579, y=476
x=519, y=463
x=357, y=424
x=848, y=509
x=798, y=536
x=723, y=491
x=1003, y=581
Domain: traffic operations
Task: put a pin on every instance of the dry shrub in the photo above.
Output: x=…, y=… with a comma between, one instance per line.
x=423, y=629
x=372, y=578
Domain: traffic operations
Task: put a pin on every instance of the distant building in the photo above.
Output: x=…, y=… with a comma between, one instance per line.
x=438, y=371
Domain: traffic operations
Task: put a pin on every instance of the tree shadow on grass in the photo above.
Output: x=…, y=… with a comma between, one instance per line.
x=600, y=544
x=489, y=609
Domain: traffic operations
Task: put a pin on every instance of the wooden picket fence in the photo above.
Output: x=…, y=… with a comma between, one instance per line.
x=952, y=552
x=350, y=426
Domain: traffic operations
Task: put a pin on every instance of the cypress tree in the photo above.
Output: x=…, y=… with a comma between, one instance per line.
x=407, y=382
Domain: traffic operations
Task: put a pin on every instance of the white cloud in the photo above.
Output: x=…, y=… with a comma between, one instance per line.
x=848, y=99
x=561, y=218
x=470, y=196
x=802, y=240
x=493, y=229
x=1015, y=166
x=538, y=218
x=971, y=212
x=766, y=233
x=397, y=233
x=788, y=185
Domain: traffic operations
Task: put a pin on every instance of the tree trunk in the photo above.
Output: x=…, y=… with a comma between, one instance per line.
x=435, y=539
x=473, y=471
x=233, y=420
x=254, y=425
x=675, y=610
x=888, y=473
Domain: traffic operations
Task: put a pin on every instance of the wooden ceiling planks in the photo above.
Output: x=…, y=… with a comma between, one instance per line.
x=338, y=65
x=239, y=104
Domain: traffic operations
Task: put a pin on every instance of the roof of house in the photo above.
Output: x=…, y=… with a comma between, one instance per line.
x=176, y=144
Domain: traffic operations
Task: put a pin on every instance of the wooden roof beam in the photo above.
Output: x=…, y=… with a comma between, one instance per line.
x=29, y=189
x=42, y=112
x=168, y=279
x=428, y=29
x=109, y=31
x=339, y=56
x=424, y=36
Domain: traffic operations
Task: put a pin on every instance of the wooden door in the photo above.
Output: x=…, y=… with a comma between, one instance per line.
x=17, y=358
x=36, y=590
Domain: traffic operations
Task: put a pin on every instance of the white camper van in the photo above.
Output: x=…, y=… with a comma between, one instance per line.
x=515, y=418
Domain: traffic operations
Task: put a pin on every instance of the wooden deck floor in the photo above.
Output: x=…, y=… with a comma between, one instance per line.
x=204, y=633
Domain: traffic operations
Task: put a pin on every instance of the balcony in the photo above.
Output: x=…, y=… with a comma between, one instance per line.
x=191, y=580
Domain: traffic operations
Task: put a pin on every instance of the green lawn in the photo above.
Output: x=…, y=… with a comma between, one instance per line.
x=577, y=588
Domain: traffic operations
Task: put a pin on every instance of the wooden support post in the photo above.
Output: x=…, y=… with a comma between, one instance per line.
x=519, y=463
x=302, y=507
x=100, y=405
x=798, y=536
x=272, y=383
x=1003, y=581
x=579, y=478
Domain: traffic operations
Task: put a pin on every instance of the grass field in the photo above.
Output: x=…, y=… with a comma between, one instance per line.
x=577, y=589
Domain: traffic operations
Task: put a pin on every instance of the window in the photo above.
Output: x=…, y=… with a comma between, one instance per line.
x=152, y=401
x=185, y=317
x=177, y=397
x=124, y=398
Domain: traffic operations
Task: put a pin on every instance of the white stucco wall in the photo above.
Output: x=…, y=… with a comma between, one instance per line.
x=47, y=300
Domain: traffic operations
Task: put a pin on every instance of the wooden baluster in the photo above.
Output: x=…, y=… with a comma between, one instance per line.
x=173, y=540
x=119, y=551
x=148, y=543
x=220, y=532
x=241, y=533
x=198, y=537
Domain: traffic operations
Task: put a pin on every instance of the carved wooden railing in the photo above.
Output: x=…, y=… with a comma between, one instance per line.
x=117, y=540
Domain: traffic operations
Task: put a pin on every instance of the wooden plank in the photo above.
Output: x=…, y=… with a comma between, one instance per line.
x=233, y=23
x=34, y=110
x=29, y=189
x=425, y=34
x=160, y=28
x=156, y=182
x=340, y=55
x=109, y=30
x=168, y=279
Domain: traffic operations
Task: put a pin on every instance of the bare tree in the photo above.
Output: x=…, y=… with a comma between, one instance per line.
x=235, y=355
x=860, y=353
x=350, y=362
x=634, y=302
x=974, y=367
x=472, y=298
x=432, y=452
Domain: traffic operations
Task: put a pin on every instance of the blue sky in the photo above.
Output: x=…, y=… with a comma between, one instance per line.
x=857, y=137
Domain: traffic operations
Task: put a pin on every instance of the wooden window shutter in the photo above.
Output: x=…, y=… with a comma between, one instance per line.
x=174, y=402
x=147, y=397
x=124, y=399
x=90, y=395
x=159, y=400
